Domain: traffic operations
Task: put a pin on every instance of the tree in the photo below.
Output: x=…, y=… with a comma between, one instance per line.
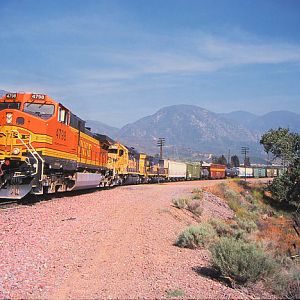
x=235, y=162
x=214, y=159
x=282, y=144
x=219, y=160
x=222, y=160
x=285, y=145
x=247, y=162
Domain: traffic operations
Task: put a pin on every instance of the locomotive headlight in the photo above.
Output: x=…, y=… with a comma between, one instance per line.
x=16, y=151
x=9, y=117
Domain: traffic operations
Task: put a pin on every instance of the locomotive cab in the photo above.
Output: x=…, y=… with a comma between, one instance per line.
x=21, y=165
x=46, y=148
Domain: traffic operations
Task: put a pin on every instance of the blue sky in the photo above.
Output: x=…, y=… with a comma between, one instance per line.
x=117, y=61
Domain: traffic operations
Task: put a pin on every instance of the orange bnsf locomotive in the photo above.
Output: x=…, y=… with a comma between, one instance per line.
x=44, y=148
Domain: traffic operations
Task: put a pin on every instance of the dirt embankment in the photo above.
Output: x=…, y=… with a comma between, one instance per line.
x=108, y=244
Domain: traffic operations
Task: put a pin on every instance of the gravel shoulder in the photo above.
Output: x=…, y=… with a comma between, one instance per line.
x=114, y=243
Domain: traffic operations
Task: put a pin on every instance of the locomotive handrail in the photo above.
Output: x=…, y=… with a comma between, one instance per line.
x=33, y=152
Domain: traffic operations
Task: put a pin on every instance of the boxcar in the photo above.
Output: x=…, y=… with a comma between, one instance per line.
x=259, y=172
x=272, y=172
x=193, y=171
x=217, y=171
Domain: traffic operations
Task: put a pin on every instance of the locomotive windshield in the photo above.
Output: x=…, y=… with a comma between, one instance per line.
x=11, y=105
x=115, y=151
x=43, y=111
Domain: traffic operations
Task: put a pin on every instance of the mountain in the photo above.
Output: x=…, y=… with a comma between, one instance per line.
x=193, y=132
x=188, y=129
x=275, y=119
x=99, y=127
x=241, y=117
x=260, y=124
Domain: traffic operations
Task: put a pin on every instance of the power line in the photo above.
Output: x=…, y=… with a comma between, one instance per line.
x=245, y=152
x=160, y=143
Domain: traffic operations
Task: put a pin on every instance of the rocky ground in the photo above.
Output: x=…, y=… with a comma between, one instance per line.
x=116, y=243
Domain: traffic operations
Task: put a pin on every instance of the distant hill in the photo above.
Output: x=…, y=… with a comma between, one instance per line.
x=277, y=119
x=242, y=117
x=99, y=127
x=187, y=129
x=267, y=121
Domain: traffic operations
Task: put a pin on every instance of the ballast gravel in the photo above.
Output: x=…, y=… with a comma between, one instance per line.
x=116, y=243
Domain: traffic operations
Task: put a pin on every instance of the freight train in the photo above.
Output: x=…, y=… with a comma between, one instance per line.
x=45, y=148
x=255, y=172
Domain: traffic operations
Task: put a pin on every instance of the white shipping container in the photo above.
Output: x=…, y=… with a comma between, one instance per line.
x=249, y=172
x=175, y=169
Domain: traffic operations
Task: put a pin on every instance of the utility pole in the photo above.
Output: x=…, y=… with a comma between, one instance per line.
x=245, y=151
x=228, y=160
x=160, y=143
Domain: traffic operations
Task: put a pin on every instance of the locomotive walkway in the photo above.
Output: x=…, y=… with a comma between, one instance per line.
x=114, y=243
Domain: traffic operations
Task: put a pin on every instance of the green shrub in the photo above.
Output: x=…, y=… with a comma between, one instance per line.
x=246, y=214
x=239, y=260
x=180, y=202
x=257, y=194
x=222, y=228
x=233, y=199
x=196, y=236
x=195, y=207
x=247, y=225
x=197, y=196
x=222, y=186
x=287, y=283
x=249, y=198
x=231, y=194
x=197, y=191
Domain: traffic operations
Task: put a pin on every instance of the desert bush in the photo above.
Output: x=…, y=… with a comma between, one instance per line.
x=195, y=207
x=197, y=236
x=180, y=202
x=221, y=228
x=287, y=283
x=239, y=260
x=246, y=214
x=236, y=230
x=249, y=198
x=222, y=186
x=197, y=191
x=247, y=225
x=197, y=196
x=233, y=199
x=231, y=194
x=258, y=194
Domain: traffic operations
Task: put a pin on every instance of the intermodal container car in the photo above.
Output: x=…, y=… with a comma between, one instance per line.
x=176, y=170
x=245, y=172
x=272, y=172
